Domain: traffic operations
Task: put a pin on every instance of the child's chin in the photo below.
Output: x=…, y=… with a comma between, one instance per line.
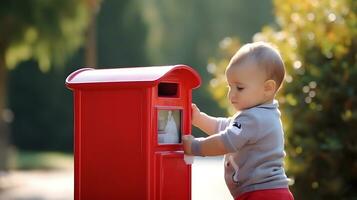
x=238, y=108
x=241, y=108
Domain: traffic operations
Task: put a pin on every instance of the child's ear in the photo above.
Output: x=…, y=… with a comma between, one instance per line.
x=270, y=87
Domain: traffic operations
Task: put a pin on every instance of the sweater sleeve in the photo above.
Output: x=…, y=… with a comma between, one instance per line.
x=223, y=123
x=243, y=130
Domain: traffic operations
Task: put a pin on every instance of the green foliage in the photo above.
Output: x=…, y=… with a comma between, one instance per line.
x=47, y=31
x=43, y=106
x=318, y=41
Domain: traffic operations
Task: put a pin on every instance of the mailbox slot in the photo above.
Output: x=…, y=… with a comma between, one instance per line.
x=168, y=90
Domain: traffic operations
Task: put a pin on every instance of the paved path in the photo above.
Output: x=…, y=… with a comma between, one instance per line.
x=207, y=179
x=38, y=185
x=207, y=183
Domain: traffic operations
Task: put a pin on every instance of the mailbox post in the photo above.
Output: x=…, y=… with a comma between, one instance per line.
x=128, y=124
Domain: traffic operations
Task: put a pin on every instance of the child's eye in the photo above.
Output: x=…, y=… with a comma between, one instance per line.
x=240, y=88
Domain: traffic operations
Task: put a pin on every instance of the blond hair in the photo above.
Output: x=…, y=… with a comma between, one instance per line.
x=265, y=56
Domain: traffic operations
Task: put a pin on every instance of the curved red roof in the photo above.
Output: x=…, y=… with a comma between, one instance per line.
x=131, y=75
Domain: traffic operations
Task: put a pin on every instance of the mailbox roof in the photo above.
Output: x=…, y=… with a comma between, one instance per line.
x=150, y=75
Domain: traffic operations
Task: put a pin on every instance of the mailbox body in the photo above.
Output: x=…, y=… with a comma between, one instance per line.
x=116, y=125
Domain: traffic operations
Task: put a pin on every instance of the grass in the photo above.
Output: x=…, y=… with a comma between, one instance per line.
x=31, y=160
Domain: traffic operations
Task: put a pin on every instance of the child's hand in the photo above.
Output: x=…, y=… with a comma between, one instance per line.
x=195, y=113
x=187, y=142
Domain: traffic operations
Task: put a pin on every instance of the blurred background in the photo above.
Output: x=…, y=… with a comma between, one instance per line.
x=42, y=42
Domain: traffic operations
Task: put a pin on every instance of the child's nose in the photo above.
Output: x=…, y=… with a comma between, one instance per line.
x=231, y=95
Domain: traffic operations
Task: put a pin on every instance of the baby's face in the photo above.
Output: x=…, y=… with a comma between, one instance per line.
x=246, y=86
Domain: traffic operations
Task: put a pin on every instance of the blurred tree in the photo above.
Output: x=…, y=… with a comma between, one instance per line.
x=91, y=33
x=46, y=31
x=121, y=34
x=44, y=122
x=43, y=108
x=318, y=41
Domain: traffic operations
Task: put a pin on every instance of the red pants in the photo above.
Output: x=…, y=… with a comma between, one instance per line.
x=271, y=194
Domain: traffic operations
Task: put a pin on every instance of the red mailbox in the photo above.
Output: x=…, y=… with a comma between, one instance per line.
x=128, y=124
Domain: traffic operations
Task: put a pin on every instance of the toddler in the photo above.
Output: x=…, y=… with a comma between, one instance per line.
x=253, y=139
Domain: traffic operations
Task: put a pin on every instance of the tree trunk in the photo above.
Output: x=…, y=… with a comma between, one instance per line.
x=91, y=42
x=4, y=128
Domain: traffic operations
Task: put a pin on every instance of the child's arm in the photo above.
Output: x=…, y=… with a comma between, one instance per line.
x=210, y=146
x=243, y=129
x=206, y=123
